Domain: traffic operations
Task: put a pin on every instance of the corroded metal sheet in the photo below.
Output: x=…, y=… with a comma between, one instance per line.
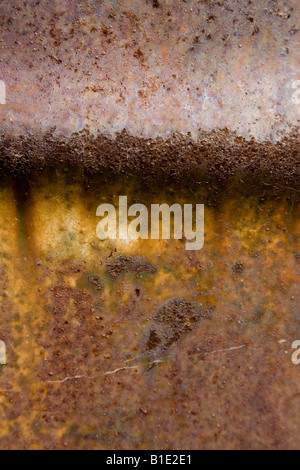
x=138, y=345
x=154, y=68
x=143, y=344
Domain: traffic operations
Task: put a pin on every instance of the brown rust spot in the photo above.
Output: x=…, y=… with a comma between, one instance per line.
x=174, y=320
x=95, y=281
x=238, y=267
x=127, y=264
x=218, y=156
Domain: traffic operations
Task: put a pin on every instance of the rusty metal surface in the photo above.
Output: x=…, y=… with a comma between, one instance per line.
x=153, y=68
x=97, y=354
x=144, y=345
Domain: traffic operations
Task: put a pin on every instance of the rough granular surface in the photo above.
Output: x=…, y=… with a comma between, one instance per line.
x=172, y=321
x=144, y=345
x=122, y=344
x=176, y=67
x=216, y=155
x=126, y=264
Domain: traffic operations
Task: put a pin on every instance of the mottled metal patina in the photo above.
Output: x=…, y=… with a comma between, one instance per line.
x=153, y=69
x=145, y=345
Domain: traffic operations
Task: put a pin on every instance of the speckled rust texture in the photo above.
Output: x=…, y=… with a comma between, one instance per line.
x=144, y=345
x=194, y=353
x=182, y=66
x=217, y=155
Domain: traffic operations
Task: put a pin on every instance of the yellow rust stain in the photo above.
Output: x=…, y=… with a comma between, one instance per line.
x=77, y=374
